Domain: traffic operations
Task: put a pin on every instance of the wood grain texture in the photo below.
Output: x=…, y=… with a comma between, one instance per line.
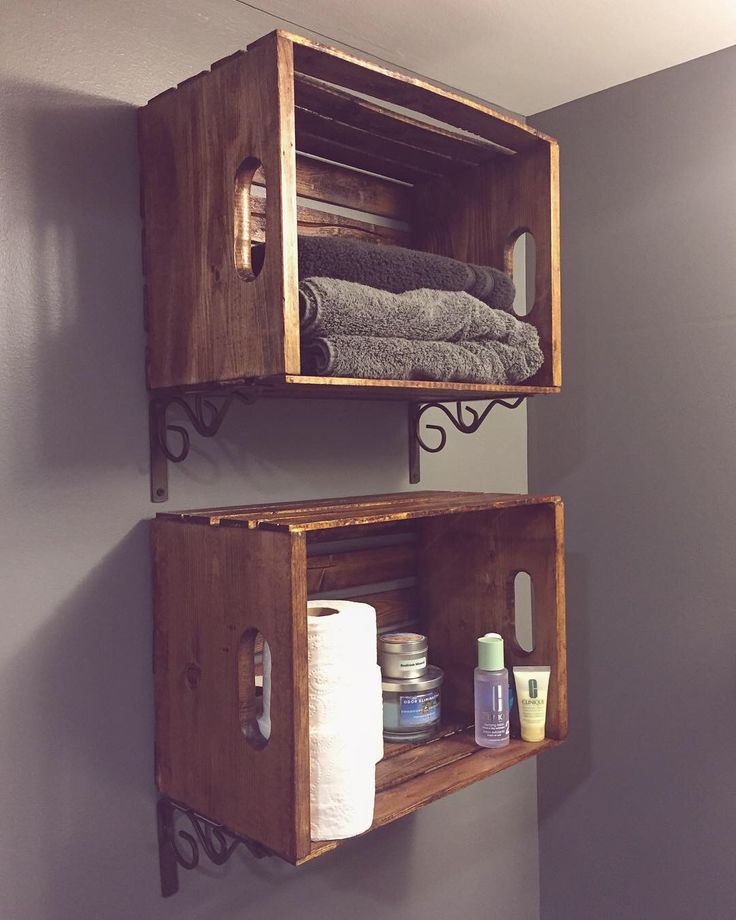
x=205, y=323
x=210, y=586
x=316, y=221
x=320, y=137
x=335, y=184
x=345, y=70
x=478, y=215
x=467, y=565
x=353, y=568
x=453, y=149
x=422, y=789
x=396, y=607
x=352, y=511
x=298, y=385
x=391, y=529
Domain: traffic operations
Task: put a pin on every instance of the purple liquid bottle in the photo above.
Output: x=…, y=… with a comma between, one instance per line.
x=491, y=694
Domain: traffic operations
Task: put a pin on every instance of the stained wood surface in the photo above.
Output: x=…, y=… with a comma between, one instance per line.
x=390, y=529
x=359, y=510
x=345, y=70
x=299, y=385
x=395, y=607
x=477, y=217
x=466, y=566
x=361, y=149
x=360, y=567
x=205, y=323
x=451, y=149
x=334, y=184
x=211, y=586
x=456, y=773
x=326, y=223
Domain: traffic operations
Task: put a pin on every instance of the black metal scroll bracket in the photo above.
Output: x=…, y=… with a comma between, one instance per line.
x=183, y=848
x=463, y=417
x=205, y=412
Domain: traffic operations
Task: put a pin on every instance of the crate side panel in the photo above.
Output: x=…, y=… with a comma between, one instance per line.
x=467, y=566
x=477, y=216
x=205, y=323
x=211, y=586
x=531, y=540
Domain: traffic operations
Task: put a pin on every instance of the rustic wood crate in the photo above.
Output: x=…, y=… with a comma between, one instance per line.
x=286, y=113
x=440, y=562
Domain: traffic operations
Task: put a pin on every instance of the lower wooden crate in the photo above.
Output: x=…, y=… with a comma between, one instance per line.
x=441, y=563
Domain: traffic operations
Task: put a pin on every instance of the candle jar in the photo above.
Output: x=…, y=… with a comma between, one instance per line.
x=412, y=707
x=402, y=655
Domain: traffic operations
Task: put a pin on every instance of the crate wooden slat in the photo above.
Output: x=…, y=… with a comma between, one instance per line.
x=425, y=788
x=345, y=70
x=222, y=576
x=334, y=184
x=286, y=114
x=346, y=109
x=313, y=221
x=360, y=567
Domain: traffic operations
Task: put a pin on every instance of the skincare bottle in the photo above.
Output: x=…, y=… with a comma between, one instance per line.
x=491, y=694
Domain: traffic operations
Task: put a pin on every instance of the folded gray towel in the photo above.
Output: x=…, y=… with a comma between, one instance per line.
x=382, y=358
x=329, y=306
x=393, y=268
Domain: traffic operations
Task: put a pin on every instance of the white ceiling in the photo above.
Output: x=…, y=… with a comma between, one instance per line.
x=524, y=55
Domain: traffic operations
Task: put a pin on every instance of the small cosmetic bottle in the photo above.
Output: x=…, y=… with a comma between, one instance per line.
x=491, y=694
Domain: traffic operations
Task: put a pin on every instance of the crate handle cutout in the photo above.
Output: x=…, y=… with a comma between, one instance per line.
x=246, y=267
x=254, y=708
x=521, y=264
x=524, y=612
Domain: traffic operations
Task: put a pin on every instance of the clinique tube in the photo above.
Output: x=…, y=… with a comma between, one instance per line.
x=532, y=684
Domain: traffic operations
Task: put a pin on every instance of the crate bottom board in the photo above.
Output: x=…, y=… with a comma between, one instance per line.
x=413, y=775
x=295, y=385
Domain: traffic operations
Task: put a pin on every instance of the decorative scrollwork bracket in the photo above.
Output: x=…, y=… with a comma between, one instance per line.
x=205, y=413
x=465, y=418
x=178, y=847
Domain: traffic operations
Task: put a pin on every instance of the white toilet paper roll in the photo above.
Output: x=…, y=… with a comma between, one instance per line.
x=344, y=698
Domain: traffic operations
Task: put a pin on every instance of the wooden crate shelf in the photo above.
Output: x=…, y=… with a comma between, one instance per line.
x=291, y=115
x=440, y=562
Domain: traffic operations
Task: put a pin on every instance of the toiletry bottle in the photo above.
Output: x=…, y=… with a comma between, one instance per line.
x=491, y=694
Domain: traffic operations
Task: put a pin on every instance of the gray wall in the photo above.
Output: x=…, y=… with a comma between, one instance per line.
x=77, y=827
x=637, y=812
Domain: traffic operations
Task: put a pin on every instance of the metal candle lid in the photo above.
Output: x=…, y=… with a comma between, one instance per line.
x=428, y=681
x=402, y=655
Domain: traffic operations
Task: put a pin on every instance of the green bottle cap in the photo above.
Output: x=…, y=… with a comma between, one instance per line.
x=490, y=652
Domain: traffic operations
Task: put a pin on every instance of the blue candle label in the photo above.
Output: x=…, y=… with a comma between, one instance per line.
x=493, y=705
x=419, y=708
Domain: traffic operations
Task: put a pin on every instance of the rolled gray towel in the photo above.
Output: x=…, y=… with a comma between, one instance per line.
x=396, y=269
x=329, y=306
x=392, y=358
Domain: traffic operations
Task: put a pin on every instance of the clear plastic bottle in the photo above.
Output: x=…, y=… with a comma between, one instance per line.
x=491, y=685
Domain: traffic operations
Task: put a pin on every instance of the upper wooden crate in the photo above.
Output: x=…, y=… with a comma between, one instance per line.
x=293, y=115
x=442, y=563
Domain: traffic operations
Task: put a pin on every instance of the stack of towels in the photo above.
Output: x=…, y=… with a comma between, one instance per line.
x=391, y=313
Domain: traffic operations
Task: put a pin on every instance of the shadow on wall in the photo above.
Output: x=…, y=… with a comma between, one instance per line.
x=79, y=288
x=82, y=378
x=562, y=772
x=82, y=741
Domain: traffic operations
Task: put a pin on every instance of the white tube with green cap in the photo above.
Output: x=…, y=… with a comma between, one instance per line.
x=532, y=684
